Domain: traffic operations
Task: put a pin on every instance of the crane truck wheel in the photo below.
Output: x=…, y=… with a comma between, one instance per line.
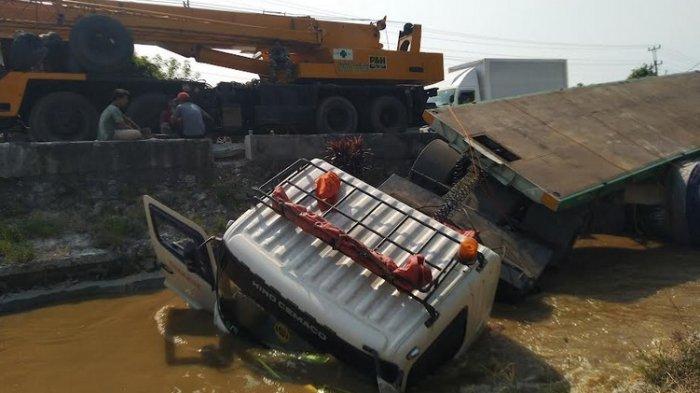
x=28, y=50
x=63, y=116
x=434, y=165
x=101, y=44
x=145, y=110
x=336, y=115
x=388, y=115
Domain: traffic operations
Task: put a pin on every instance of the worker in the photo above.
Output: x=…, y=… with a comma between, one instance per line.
x=189, y=117
x=114, y=124
x=166, y=118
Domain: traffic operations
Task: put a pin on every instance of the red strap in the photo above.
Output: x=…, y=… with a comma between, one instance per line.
x=413, y=274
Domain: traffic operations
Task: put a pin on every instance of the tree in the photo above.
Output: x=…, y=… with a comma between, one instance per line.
x=642, y=72
x=143, y=67
x=174, y=69
x=158, y=67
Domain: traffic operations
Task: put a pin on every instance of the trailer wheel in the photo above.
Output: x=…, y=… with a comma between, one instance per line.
x=145, y=110
x=28, y=50
x=101, y=44
x=63, y=116
x=684, y=202
x=336, y=115
x=434, y=165
x=692, y=209
x=388, y=115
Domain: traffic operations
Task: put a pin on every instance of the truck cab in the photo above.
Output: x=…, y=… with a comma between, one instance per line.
x=490, y=79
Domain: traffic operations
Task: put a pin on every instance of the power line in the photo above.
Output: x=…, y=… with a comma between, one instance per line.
x=549, y=43
x=693, y=67
x=521, y=45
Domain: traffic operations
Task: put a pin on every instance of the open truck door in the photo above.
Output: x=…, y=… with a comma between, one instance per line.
x=184, y=254
x=188, y=260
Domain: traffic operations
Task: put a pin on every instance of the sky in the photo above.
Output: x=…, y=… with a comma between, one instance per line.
x=602, y=39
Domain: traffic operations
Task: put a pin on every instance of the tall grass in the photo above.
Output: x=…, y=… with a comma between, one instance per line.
x=672, y=366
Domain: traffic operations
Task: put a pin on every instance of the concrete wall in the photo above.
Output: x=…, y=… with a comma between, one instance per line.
x=20, y=160
x=286, y=148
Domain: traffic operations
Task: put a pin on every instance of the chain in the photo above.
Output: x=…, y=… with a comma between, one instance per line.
x=459, y=194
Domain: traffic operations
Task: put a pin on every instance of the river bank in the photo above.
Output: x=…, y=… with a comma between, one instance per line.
x=581, y=333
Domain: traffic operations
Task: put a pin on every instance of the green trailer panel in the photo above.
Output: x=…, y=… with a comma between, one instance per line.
x=564, y=148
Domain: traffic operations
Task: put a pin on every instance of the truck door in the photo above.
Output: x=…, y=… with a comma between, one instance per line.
x=183, y=253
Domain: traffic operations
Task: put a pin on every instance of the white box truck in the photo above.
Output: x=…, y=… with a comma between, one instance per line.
x=490, y=79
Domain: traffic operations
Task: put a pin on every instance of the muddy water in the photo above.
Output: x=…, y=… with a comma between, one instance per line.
x=578, y=333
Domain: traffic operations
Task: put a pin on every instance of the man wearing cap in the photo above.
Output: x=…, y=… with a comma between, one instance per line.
x=189, y=117
x=113, y=123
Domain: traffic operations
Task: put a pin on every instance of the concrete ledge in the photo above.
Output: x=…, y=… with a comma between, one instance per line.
x=292, y=147
x=69, y=291
x=19, y=160
x=95, y=266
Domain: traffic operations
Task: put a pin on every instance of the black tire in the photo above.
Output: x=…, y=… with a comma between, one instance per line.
x=63, y=116
x=101, y=44
x=433, y=166
x=57, y=54
x=388, y=115
x=336, y=115
x=145, y=110
x=692, y=209
x=27, y=52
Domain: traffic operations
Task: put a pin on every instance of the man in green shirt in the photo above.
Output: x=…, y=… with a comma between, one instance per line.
x=113, y=119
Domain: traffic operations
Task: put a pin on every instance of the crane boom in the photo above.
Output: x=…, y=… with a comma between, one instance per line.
x=320, y=50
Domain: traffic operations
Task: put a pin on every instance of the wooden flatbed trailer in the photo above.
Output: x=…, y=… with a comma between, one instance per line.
x=567, y=162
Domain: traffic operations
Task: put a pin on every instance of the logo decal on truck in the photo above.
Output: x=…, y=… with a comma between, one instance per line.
x=377, y=62
x=282, y=305
x=342, y=54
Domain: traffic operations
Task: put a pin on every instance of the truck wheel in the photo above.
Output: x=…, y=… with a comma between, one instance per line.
x=336, y=115
x=101, y=44
x=434, y=165
x=145, y=110
x=692, y=208
x=63, y=116
x=28, y=50
x=388, y=115
x=684, y=202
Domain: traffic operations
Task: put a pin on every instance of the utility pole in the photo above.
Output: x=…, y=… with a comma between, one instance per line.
x=656, y=63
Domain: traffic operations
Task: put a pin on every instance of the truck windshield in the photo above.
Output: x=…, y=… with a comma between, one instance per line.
x=443, y=98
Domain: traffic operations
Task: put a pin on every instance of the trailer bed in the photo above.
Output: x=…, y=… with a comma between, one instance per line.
x=566, y=147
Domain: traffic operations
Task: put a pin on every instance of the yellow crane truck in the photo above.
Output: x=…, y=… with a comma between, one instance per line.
x=61, y=58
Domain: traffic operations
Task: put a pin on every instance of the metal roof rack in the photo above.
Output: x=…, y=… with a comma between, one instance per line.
x=288, y=177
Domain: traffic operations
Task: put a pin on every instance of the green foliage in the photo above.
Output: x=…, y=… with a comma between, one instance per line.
x=144, y=68
x=673, y=366
x=642, y=72
x=13, y=251
x=16, y=233
x=39, y=226
x=114, y=229
x=157, y=67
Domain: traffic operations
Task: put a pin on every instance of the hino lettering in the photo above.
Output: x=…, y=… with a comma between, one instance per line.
x=289, y=311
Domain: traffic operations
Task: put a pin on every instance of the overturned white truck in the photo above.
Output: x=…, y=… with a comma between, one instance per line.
x=356, y=274
x=552, y=166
